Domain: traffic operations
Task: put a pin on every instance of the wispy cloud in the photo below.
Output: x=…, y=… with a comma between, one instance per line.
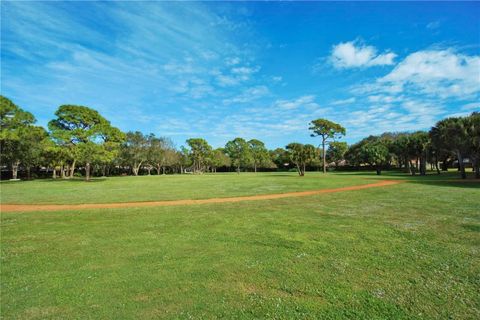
x=248, y=95
x=307, y=101
x=343, y=101
x=198, y=69
x=442, y=73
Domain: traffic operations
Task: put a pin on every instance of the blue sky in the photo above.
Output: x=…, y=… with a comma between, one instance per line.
x=250, y=69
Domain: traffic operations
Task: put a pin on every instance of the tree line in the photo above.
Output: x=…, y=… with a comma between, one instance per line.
x=80, y=141
x=454, y=139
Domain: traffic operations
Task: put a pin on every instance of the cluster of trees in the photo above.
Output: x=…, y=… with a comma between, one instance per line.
x=79, y=138
x=454, y=139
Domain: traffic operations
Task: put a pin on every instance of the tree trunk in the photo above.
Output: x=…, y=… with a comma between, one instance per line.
x=54, y=173
x=238, y=169
x=72, y=168
x=444, y=165
x=158, y=168
x=104, y=170
x=163, y=170
x=461, y=166
x=423, y=165
x=255, y=167
x=15, y=169
x=299, y=170
x=379, y=170
x=407, y=165
x=87, y=171
x=324, y=156
x=181, y=169
x=476, y=167
x=149, y=169
x=412, y=167
x=62, y=172
x=28, y=173
x=136, y=168
x=436, y=165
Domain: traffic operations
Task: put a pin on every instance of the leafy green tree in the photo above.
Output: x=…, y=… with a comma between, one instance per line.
x=400, y=148
x=162, y=153
x=84, y=131
x=219, y=158
x=109, y=150
x=184, y=159
x=238, y=150
x=171, y=159
x=336, y=151
x=259, y=154
x=473, y=131
x=135, y=150
x=453, y=134
x=34, y=141
x=18, y=136
x=328, y=131
x=55, y=157
x=375, y=152
x=301, y=155
x=419, y=145
x=199, y=152
x=280, y=158
x=353, y=156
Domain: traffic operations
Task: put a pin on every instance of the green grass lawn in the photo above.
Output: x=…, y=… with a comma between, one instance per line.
x=167, y=187
x=408, y=251
x=173, y=187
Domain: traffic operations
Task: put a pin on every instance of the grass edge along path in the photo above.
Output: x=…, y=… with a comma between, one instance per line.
x=60, y=207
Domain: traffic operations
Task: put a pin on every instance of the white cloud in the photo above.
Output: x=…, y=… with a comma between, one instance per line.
x=245, y=70
x=236, y=76
x=433, y=25
x=474, y=106
x=441, y=73
x=405, y=114
x=248, y=95
x=304, y=101
x=231, y=61
x=277, y=78
x=344, y=101
x=226, y=81
x=354, y=55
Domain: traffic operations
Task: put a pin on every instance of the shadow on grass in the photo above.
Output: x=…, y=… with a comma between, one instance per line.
x=444, y=179
x=471, y=227
x=74, y=180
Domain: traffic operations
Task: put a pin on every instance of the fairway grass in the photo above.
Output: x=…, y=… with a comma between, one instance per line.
x=187, y=186
x=408, y=251
x=167, y=187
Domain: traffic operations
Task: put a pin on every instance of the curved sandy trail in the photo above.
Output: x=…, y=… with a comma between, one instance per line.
x=59, y=207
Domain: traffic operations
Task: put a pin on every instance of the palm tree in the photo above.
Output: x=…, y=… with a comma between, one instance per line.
x=453, y=134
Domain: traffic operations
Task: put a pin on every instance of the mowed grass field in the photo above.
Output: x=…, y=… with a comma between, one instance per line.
x=407, y=251
x=166, y=187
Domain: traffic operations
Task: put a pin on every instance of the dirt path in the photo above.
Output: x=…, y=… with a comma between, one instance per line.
x=59, y=207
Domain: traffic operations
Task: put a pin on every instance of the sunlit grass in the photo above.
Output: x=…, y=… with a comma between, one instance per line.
x=409, y=251
x=173, y=187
